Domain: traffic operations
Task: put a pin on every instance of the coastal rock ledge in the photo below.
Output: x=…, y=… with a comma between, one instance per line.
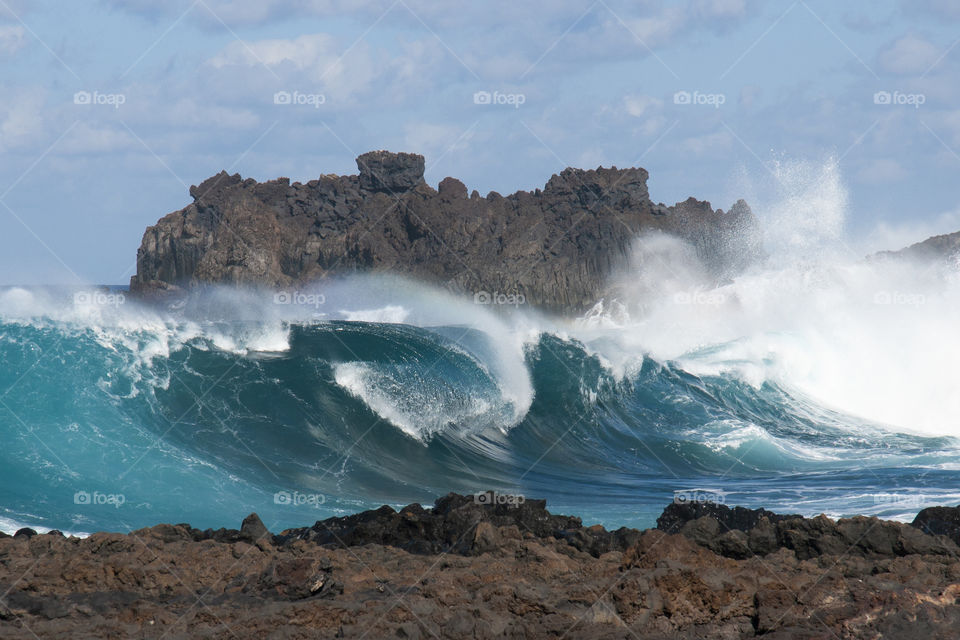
x=556, y=246
x=471, y=569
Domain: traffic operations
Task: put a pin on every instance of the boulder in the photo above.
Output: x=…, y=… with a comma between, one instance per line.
x=390, y=172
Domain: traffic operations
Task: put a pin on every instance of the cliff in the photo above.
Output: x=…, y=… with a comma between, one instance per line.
x=556, y=246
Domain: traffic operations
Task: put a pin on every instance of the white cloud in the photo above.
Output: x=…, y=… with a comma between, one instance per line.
x=664, y=25
x=434, y=140
x=658, y=29
x=654, y=126
x=637, y=106
x=720, y=8
x=86, y=138
x=306, y=51
x=21, y=119
x=12, y=39
x=650, y=112
x=242, y=12
x=911, y=54
x=437, y=15
x=344, y=74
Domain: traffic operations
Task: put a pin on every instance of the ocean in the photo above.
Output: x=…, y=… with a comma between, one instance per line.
x=802, y=386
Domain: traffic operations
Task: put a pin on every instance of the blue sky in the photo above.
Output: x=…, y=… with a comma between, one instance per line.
x=180, y=89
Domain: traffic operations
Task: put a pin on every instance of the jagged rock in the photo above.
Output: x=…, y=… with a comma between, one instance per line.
x=522, y=573
x=741, y=533
x=450, y=527
x=555, y=246
x=937, y=248
x=390, y=172
x=452, y=189
x=944, y=521
x=678, y=514
x=253, y=529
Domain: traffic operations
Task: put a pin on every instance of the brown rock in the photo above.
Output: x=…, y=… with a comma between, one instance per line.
x=555, y=246
x=176, y=581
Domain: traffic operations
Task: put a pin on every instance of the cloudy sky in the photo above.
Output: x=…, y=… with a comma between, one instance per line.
x=111, y=109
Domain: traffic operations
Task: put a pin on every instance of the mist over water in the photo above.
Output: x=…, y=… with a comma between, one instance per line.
x=816, y=382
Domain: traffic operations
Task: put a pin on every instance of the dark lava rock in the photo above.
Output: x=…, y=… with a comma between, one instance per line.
x=944, y=521
x=677, y=514
x=391, y=172
x=741, y=533
x=462, y=525
x=25, y=532
x=516, y=571
x=557, y=247
x=253, y=529
x=452, y=525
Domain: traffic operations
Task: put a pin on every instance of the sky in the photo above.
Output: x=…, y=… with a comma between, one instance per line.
x=111, y=109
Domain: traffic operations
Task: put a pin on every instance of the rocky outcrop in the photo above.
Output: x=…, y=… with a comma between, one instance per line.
x=942, y=521
x=556, y=246
x=472, y=569
x=742, y=533
x=453, y=525
x=937, y=248
x=393, y=173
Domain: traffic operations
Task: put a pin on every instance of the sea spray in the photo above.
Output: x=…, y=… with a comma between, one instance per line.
x=816, y=381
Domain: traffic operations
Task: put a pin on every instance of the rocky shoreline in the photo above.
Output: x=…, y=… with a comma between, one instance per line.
x=468, y=569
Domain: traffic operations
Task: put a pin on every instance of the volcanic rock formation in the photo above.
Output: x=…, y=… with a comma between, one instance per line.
x=944, y=247
x=555, y=246
x=469, y=570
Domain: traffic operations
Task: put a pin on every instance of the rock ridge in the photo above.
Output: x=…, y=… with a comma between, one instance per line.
x=556, y=245
x=468, y=568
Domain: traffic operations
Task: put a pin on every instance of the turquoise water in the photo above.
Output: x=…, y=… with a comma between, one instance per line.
x=114, y=417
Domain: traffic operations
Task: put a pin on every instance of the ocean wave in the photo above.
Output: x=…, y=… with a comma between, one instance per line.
x=810, y=383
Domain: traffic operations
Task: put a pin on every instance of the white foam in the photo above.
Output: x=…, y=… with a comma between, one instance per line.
x=871, y=339
x=875, y=340
x=10, y=527
x=392, y=314
x=415, y=406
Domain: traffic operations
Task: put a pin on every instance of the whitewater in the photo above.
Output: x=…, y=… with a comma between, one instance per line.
x=817, y=382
